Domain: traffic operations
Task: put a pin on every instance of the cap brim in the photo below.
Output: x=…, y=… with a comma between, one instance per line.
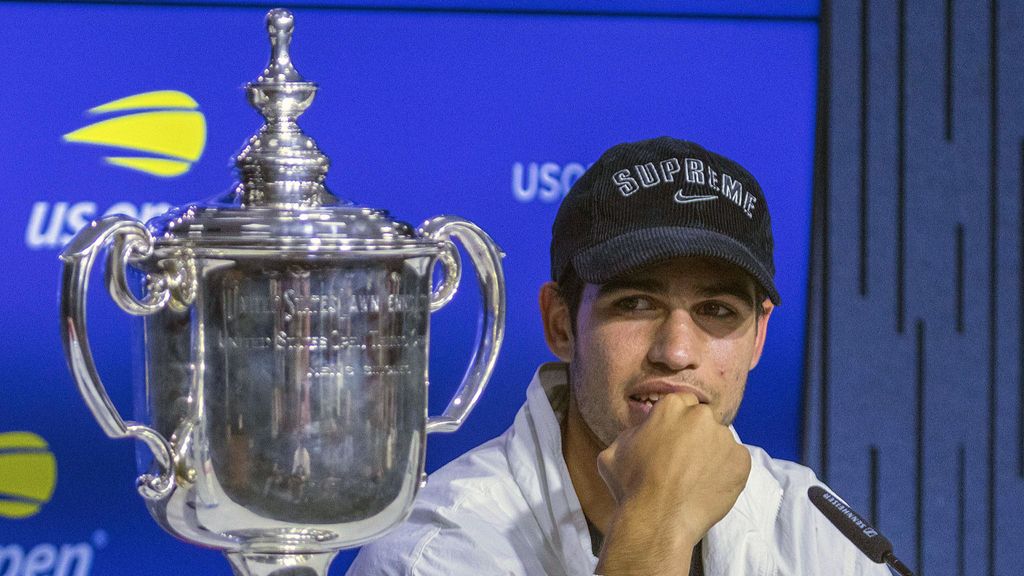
x=602, y=262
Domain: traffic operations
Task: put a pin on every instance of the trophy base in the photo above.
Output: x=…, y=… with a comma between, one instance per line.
x=267, y=564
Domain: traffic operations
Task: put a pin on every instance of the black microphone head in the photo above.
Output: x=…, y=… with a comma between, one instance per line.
x=870, y=542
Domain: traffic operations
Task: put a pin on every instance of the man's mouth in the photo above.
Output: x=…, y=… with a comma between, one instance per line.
x=640, y=405
x=642, y=402
x=649, y=400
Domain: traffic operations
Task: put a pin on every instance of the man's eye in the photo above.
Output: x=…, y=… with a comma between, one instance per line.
x=634, y=304
x=716, y=310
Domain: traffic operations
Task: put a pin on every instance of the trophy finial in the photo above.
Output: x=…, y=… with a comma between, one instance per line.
x=281, y=165
x=280, y=23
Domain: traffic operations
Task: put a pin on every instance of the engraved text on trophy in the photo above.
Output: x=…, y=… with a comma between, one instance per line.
x=320, y=367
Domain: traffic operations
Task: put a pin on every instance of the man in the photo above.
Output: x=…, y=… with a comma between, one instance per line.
x=622, y=460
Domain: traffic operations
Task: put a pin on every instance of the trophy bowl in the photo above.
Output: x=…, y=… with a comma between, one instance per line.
x=286, y=332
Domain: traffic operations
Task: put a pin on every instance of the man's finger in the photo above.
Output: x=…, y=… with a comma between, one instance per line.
x=680, y=399
x=688, y=398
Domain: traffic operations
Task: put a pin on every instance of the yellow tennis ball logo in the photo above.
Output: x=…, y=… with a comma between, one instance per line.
x=172, y=133
x=28, y=474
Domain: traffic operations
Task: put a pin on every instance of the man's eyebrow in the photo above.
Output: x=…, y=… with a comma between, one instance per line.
x=630, y=283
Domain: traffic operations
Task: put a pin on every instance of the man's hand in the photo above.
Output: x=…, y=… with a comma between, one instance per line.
x=673, y=477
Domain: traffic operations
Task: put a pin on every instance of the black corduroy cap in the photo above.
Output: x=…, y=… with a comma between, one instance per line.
x=653, y=200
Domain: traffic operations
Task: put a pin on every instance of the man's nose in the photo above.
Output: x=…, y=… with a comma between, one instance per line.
x=676, y=344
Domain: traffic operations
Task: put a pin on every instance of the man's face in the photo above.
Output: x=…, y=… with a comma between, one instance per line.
x=688, y=324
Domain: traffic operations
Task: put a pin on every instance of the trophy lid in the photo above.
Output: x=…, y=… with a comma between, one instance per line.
x=280, y=200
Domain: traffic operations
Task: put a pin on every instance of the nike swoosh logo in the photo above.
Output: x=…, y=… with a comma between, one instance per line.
x=684, y=199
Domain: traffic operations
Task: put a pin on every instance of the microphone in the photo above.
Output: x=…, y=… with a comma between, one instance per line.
x=867, y=539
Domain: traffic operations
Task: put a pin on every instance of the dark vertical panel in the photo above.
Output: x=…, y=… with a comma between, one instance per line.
x=873, y=486
x=821, y=214
x=959, y=289
x=919, y=435
x=925, y=129
x=949, y=70
x=961, y=512
x=901, y=153
x=993, y=288
x=865, y=92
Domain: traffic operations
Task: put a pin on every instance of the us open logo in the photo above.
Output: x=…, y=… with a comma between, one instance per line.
x=28, y=477
x=546, y=182
x=28, y=474
x=171, y=133
x=166, y=134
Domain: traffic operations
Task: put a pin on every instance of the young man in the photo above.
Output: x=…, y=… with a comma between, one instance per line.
x=622, y=460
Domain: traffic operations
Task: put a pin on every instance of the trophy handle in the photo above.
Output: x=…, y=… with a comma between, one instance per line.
x=487, y=259
x=132, y=242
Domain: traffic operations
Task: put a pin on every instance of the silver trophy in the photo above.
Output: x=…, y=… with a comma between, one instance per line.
x=286, y=337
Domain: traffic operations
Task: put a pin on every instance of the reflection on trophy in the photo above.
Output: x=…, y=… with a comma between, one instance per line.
x=286, y=337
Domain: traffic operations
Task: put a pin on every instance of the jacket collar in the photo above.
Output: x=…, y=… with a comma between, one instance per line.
x=534, y=450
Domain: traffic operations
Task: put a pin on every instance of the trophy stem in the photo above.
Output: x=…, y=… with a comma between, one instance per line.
x=264, y=564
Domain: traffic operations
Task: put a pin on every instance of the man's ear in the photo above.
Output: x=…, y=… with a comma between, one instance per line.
x=762, y=331
x=557, y=321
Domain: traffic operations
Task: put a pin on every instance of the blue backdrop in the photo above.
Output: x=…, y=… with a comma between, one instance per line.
x=485, y=110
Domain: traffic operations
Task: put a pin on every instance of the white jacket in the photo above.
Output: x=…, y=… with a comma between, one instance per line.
x=508, y=507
